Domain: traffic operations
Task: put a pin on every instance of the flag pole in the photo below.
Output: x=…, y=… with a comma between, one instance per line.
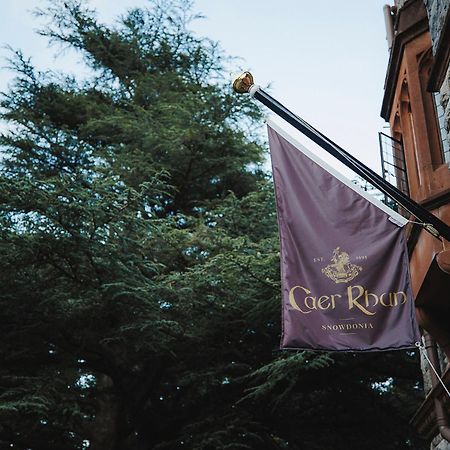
x=244, y=84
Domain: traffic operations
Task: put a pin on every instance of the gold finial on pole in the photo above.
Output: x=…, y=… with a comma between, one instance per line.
x=243, y=83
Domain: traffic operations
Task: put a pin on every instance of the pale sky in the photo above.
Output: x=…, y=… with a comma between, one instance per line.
x=325, y=60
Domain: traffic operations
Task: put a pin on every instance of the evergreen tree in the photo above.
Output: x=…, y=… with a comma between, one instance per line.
x=140, y=281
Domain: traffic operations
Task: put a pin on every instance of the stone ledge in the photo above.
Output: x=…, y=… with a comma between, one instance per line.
x=424, y=420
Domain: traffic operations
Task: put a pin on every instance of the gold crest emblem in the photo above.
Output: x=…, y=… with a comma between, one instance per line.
x=341, y=270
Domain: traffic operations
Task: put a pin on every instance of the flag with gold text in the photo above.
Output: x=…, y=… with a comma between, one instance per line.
x=344, y=263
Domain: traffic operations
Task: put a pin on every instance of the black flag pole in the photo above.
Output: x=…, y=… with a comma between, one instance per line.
x=244, y=84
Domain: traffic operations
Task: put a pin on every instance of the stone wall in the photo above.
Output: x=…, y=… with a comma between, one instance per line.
x=437, y=10
x=439, y=443
x=445, y=97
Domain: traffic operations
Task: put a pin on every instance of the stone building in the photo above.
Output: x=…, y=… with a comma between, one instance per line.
x=416, y=157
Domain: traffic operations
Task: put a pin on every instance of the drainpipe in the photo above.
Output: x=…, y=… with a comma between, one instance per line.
x=389, y=22
x=428, y=323
x=443, y=260
x=441, y=416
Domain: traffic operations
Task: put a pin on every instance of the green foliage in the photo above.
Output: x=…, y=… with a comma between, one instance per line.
x=280, y=377
x=140, y=266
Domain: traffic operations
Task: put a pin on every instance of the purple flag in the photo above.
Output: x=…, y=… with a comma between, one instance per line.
x=344, y=264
